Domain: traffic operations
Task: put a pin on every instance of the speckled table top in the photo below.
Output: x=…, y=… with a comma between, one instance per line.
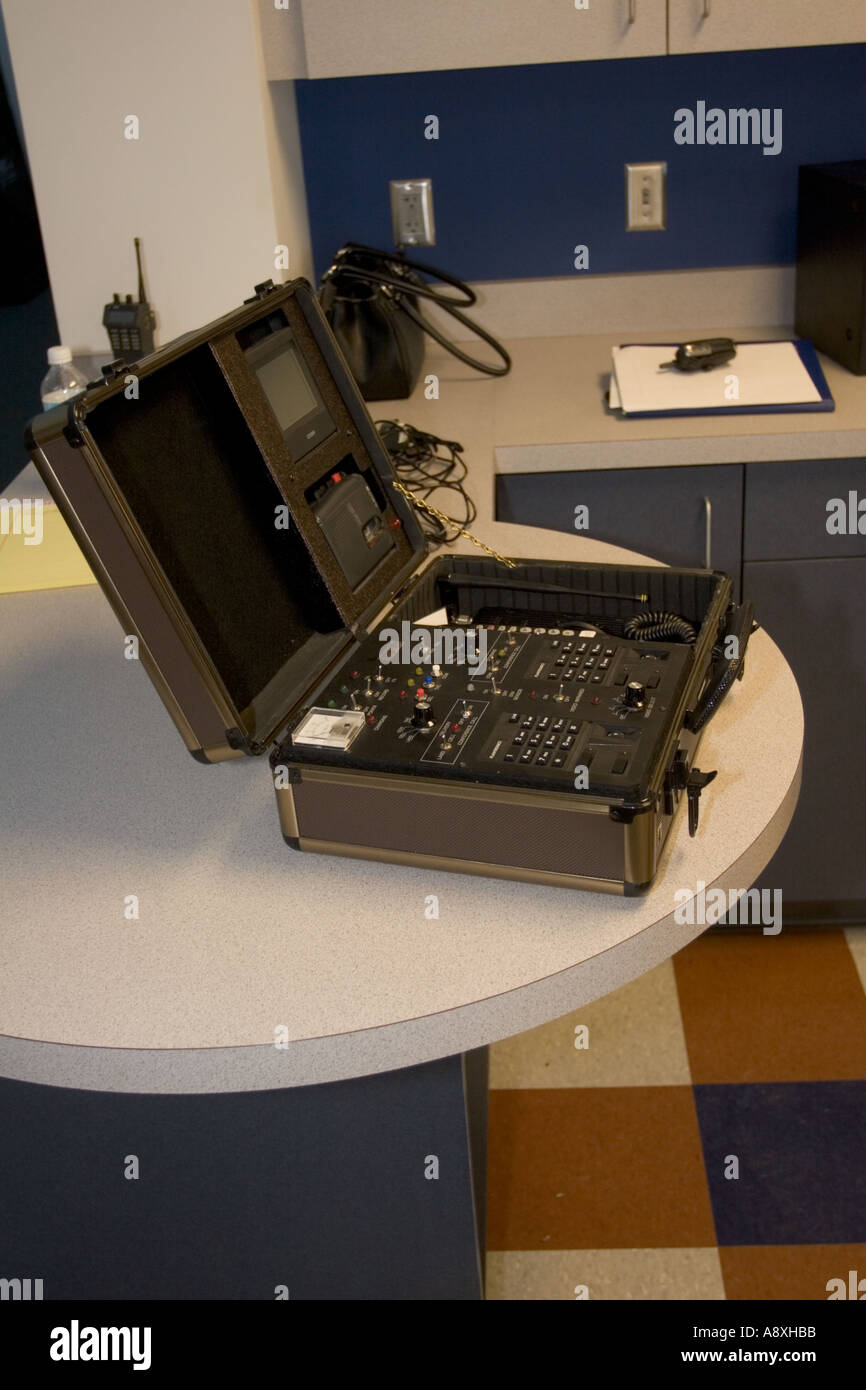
x=240, y=943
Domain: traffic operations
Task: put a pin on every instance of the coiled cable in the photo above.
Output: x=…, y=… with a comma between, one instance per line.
x=659, y=627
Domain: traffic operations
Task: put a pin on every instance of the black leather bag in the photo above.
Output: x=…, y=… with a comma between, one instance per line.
x=371, y=300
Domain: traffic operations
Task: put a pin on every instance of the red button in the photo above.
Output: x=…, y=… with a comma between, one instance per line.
x=371, y=718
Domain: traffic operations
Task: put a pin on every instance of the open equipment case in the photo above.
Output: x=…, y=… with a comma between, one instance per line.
x=242, y=516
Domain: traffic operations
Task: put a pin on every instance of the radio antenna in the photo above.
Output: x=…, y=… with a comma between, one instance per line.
x=142, y=297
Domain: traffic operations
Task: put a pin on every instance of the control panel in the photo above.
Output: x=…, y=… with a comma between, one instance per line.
x=570, y=708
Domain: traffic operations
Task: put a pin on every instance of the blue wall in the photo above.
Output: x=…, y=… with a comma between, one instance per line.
x=530, y=159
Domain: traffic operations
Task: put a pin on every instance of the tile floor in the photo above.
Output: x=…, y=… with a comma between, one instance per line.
x=701, y=1133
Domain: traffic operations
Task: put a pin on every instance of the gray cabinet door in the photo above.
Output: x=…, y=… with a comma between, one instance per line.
x=814, y=610
x=658, y=511
x=699, y=26
x=345, y=39
x=804, y=509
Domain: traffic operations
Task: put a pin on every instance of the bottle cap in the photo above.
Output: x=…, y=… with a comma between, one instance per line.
x=58, y=355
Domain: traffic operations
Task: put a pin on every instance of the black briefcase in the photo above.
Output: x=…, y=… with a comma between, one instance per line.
x=523, y=719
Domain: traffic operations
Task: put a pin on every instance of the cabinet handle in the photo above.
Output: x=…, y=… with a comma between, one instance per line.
x=708, y=534
x=632, y=10
x=706, y=13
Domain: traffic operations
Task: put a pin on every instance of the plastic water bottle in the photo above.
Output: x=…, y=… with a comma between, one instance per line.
x=62, y=381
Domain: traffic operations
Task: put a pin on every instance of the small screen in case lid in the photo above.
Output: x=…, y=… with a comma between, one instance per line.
x=287, y=388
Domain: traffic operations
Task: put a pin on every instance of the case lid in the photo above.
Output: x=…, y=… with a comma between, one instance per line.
x=245, y=469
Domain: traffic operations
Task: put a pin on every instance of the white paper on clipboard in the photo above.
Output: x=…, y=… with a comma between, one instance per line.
x=761, y=374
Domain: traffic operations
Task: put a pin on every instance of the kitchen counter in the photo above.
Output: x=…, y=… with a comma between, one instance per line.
x=548, y=414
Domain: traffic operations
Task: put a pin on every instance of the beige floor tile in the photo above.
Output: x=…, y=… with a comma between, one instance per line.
x=856, y=938
x=618, y=1275
x=635, y=1038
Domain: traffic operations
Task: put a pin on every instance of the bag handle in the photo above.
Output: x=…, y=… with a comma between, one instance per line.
x=488, y=368
x=408, y=289
x=345, y=264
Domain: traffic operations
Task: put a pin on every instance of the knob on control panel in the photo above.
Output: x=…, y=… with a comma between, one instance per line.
x=422, y=714
x=635, y=694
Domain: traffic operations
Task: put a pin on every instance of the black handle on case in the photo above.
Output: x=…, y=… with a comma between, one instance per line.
x=740, y=624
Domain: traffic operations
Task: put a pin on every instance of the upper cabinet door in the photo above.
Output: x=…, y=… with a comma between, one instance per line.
x=347, y=38
x=707, y=26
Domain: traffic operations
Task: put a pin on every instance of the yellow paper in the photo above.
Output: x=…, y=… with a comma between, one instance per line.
x=55, y=563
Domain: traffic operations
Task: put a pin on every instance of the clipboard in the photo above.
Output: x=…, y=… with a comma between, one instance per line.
x=688, y=384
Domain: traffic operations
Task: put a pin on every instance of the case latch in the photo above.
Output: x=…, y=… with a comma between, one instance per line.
x=694, y=786
x=114, y=369
x=261, y=291
x=678, y=778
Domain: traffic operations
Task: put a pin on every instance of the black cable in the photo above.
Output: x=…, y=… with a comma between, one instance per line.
x=426, y=464
x=660, y=627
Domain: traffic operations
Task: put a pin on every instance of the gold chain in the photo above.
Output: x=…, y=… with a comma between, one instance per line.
x=434, y=511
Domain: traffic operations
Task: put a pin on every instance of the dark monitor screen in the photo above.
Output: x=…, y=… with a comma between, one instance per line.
x=286, y=387
x=291, y=391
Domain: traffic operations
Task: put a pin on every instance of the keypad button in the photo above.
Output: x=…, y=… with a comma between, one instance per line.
x=528, y=723
x=560, y=724
x=514, y=718
x=566, y=744
x=558, y=761
x=572, y=728
x=527, y=757
x=535, y=740
x=541, y=760
x=604, y=663
x=583, y=678
x=596, y=649
x=509, y=757
x=519, y=741
x=597, y=680
x=550, y=742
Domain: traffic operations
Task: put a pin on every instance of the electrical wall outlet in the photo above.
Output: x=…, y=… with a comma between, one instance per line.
x=412, y=212
x=645, y=201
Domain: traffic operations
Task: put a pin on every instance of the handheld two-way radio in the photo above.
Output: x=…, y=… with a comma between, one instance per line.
x=130, y=323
